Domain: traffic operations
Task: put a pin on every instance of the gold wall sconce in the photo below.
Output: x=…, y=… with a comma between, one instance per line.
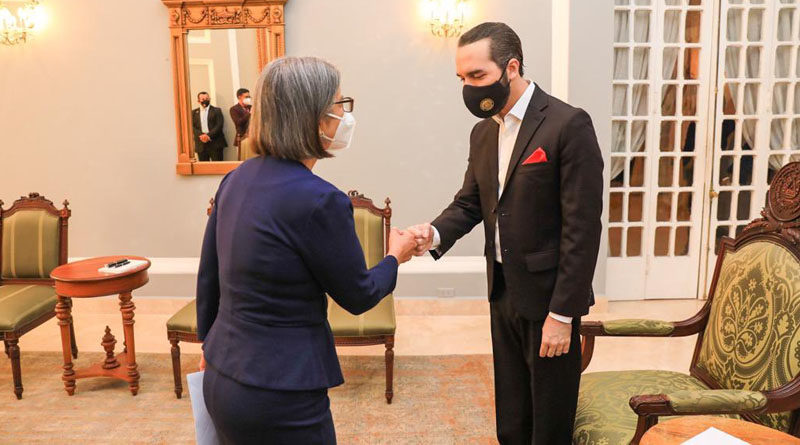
x=17, y=28
x=446, y=17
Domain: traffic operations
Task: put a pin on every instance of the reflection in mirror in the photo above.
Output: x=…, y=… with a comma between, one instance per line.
x=222, y=68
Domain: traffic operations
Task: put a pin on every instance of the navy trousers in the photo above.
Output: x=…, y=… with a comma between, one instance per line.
x=245, y=414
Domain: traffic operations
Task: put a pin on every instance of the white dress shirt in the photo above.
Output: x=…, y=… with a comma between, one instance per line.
x=506, y=138
x=204, y=119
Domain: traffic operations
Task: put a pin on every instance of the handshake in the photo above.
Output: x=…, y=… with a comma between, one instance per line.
x=413, y=241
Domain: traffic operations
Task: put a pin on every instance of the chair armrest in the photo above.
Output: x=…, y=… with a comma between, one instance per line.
x=637, y=328
x=691, y=403
x=716, y=401
x=621, y=328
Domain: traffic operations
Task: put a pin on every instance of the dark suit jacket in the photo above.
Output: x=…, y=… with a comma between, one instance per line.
x=241, y=119
x=278, y=239
x=549, y=213
x=215, y=124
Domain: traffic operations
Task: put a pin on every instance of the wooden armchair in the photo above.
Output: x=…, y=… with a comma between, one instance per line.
x=33, y=241
x=746, y=361
x=376, y=326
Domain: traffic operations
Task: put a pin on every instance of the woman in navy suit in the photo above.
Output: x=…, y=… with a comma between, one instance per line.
x=280, y=238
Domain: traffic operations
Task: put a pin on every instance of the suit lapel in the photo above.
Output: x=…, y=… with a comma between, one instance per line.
x=530, y=123
x=490, y=140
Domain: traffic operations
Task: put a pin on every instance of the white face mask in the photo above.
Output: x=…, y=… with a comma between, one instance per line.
x=344, y=133
x=248, y=101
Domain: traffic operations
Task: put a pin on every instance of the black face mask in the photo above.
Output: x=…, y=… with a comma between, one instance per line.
x=205, y=103
x=488, y=100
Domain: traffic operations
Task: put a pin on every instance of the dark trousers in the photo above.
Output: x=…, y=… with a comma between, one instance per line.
x=245, y=414
x=210, y=154
x=535, y=398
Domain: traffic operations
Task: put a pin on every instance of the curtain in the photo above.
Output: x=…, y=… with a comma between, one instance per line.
x=639, y=92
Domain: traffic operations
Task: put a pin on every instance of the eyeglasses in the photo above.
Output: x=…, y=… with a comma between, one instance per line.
x=347, y=104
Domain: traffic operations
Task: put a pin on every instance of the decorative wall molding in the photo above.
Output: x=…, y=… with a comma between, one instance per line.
x=265, y=16
x=199, y=14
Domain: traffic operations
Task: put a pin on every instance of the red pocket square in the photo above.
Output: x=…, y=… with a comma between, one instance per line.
x=538, y=156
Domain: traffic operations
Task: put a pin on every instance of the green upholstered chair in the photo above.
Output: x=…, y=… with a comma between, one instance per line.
x=746, y=360
x=376, y=326
x=33, y=243
x=183, y=327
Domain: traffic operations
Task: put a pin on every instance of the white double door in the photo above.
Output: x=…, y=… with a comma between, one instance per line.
x=706, y=107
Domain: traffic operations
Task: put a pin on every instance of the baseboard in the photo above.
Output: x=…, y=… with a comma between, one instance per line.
x=417, y=266
x=456, y=276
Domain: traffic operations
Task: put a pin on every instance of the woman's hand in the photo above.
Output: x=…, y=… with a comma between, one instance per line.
x=402, y=245
x=202, y=365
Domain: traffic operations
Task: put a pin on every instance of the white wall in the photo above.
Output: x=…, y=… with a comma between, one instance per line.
x=87, y=114
x=590, y=67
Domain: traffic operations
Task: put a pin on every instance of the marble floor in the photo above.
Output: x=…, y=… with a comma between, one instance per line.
x=424, y=327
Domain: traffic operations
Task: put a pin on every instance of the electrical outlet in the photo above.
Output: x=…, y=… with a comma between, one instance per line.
x=445, y=292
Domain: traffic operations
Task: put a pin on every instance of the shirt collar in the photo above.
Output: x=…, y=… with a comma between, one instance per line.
x=519, y=108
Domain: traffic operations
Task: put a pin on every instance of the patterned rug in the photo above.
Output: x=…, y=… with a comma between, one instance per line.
x=438, y=400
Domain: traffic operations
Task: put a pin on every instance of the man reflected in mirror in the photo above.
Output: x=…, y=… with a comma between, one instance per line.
x=207, y=123
x=240, y=114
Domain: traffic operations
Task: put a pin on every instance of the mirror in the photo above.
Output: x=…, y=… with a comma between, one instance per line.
x=219, y=47
x=223, y=68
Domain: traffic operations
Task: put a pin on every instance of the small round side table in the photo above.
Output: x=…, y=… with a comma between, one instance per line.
x=679, y=430
x=82, y=279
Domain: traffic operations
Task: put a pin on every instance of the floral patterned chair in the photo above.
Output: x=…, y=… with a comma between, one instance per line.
x=746, y=361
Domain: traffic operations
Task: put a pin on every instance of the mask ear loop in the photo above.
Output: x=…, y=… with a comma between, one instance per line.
x=505, y=74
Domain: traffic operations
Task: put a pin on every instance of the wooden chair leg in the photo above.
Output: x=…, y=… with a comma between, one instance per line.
x=13, y=350
x=176, y=366
x=5, y=346
x=389, y=369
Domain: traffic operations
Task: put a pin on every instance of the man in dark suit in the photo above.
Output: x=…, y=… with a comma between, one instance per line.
x=207, y=123
x=240, y=114
x=534, y=177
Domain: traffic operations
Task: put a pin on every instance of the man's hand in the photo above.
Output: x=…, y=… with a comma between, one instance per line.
x=202, y=365
x=555, y=338
x=423, y=234
x=401, y=245
x=204, y=137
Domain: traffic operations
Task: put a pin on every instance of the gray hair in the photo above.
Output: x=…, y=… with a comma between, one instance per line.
x=292, y=96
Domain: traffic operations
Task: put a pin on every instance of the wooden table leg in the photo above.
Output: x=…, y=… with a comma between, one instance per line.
x=64, y=315
x=126, y=307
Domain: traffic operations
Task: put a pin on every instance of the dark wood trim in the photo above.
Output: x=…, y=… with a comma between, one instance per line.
x=190, y=337
x=389, y=360
x=175, y=337
x=587, y=350
x=370, y=340
x=175, y=351
x=16, y=370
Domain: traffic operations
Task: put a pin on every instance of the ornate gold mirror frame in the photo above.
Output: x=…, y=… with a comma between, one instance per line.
x=266, y=16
